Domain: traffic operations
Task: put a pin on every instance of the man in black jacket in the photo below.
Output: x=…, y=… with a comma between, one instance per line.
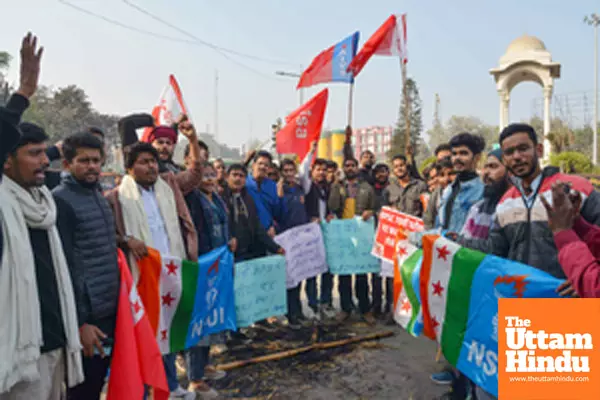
x=87, y=230
x=252, y=239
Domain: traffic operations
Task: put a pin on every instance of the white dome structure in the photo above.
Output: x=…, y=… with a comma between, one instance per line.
x=526, y=60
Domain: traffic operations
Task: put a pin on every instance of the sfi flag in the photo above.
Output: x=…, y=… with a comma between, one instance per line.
x=170, y=106
x=303, y=126
x=136, y=359
x=388, y=40
x=331, y=65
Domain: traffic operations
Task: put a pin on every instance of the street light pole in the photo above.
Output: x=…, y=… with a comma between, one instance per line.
x=292, y=75
x=594, y=20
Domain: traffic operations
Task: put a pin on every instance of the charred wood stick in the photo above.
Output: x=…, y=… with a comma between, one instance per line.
x=294, y=352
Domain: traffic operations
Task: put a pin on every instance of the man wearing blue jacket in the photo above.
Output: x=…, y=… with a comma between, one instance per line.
x=269, y=205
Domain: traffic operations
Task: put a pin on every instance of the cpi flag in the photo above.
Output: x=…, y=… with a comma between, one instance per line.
x=331, y=65
x=388, y=40
x=303, y=126
x=170, y=106
x=136, y=359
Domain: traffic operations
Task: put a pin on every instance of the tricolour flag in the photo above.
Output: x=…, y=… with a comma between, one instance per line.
x=460, y=291
x=388, y=40
x=136, y=359
x=177, y=295
x=331, y=65
x=406, y=300
x=169, y=108
x=303, y=126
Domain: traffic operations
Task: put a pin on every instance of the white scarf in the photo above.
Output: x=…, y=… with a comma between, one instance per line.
x=136, y=220
x=20, y=317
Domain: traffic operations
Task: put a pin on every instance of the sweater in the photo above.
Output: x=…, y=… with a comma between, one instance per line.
x=578, y=255
x=521, y=231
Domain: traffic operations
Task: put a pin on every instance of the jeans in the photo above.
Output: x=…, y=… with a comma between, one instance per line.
x=361, y=289
x=197, y=359
x=171, y=371
x=376, y=282
x=293, y=302
x=326, y=289
x=95, y=370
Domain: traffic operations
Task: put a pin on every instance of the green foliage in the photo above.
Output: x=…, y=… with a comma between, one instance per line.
x=398, y=145
x=4, y=59
x=457, y=124
x=65, y=111
x=572, y=162
x=427, y=162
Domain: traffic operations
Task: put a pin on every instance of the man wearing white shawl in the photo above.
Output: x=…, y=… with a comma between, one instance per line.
x=40, y=345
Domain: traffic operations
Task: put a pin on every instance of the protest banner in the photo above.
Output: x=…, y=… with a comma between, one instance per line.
x=348, y=244
x=304, y=252
x=214, y=307
x=392, y=224
x=260, y=291
x=459, y=293
x=387, y=269
x=186, y=300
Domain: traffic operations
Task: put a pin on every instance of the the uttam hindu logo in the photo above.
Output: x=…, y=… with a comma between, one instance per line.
x=526, y=348
x=548, y=349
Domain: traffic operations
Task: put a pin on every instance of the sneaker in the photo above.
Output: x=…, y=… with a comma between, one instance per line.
x=213, y=374
x=342, y=317
x=369, y=318
x=327, y=311
x=389, y=319
x=181, y=393
x=202, y=390
x=443, y=378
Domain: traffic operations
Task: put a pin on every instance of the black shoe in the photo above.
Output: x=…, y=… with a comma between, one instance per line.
x=294, y=323
x=305, y=322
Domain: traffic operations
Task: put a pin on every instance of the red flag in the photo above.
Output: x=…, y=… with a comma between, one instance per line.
x=136, y=359
x=388, y=40
x=170, y=107
x=303, y=126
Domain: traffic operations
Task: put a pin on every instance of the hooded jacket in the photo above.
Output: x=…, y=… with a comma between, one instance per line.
x=521, y=232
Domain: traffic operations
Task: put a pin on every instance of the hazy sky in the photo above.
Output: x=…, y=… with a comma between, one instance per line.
x=452, y=45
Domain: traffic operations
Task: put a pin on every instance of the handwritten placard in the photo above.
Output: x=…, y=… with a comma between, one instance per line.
x=304, y=252
x=387, y=269
x=348, y=244
x=259, y=289
x=392, y=226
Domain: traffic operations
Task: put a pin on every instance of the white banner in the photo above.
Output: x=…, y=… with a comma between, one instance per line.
x=304, y=252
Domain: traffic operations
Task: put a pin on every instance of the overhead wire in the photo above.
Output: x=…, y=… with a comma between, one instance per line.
x=195, y=41
x=218, y=49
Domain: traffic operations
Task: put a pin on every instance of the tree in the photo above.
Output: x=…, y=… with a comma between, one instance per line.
x=398, y=145
x=4, y=60
x=457, y=124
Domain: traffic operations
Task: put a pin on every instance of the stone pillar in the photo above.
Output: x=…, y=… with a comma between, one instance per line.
x=504, y=107
x=547, y=118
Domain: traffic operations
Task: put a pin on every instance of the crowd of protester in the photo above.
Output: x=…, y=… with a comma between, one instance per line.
x=60, y=277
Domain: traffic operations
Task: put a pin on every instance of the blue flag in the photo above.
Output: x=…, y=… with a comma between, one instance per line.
x=479, y=354
x=214, y=306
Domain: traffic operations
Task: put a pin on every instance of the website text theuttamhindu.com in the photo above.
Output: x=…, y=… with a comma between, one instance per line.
x=549, y=379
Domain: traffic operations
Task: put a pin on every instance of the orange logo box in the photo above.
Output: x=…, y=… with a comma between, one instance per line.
x=549, y=349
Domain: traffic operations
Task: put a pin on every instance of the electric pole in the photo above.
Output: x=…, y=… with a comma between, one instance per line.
x=293, y=75
x=594, y=20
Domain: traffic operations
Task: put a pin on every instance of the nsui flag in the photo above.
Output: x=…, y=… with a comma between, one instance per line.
x=460, y=289
x=185, y=300
x=214, y=305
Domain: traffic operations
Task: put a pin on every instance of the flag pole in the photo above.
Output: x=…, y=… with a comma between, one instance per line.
x=350, y=102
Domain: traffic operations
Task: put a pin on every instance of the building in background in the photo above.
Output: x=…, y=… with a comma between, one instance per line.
x=377, y=139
